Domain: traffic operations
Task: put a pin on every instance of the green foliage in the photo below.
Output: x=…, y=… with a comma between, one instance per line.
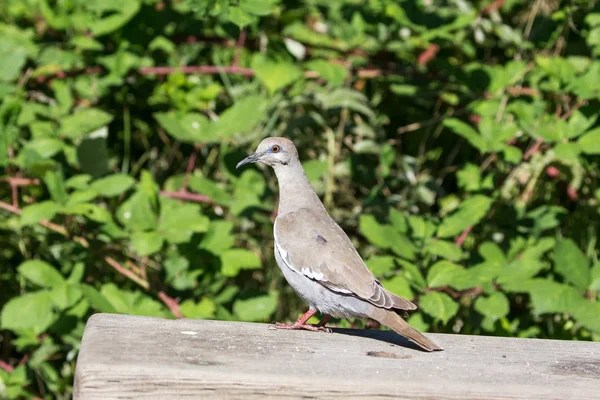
x=457, y=143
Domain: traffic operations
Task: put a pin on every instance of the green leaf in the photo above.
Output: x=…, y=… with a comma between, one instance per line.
x=590, y=142
x=218, y=238
x=567, y=151
x=205, y=309
x=381, y=265
x=131, y=302
x=65, y=296
x=595, y=277
x=97, y=299
x=438, y=305
x=257, y=308
x=124, y=13
x=88, y=210
x=470, y=212
x=34, y=213
x=189, y=128
x=13, y=59
x=495, y=306
x=240, y=17
x=586, y=313
x=466, y=131
x=445, y=249
x=178, y=222
x=517, y=271
x=112, y=185
x=258, y=7
x=55, y=183
x=491, y=252
x=146, y=243
x=177, y=272
x=571, y=263
x=551, y=297
x=443, y=273
x=400, y=286
x=240, y=118
x=275, y=75
x=210, y=188
x=334, y=74
x=80, y=181
x=386, y=237
x=28, y=312
x=40, y=273
x=83, y=121
x=234, y=260
x=411, y=272
x=137, y=212
x=375, y=232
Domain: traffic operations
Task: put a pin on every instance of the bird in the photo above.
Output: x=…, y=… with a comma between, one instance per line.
x=318, y=259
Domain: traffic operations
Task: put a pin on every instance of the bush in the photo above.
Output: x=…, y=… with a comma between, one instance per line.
x=456, y=142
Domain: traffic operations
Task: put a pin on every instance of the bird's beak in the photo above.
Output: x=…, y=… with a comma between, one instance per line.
x=252, y=158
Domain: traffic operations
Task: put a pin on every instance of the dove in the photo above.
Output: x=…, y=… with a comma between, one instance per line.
x=318, y=259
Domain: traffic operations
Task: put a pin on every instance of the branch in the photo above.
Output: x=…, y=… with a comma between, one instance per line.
x=127, y=273
x=7, y=367
x=463, y=236
x=200, y=69
x=82, y=241
x=200, y=198
x=428, y=55
x=171, y=303
x=495, y=6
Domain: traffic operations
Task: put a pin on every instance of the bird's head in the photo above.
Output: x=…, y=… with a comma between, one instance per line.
x=273, y=151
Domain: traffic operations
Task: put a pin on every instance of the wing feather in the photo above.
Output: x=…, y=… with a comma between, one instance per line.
x=312, y=244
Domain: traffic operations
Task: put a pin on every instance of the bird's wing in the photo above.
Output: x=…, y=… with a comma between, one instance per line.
x=314, y=245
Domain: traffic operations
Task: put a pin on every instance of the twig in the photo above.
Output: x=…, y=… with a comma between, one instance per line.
x=7, y=367
x=200, y=69
x=19, y=181
x=533, y=149
x=15, y=194
x=495, y=6
x=171, y=303
x=239, y=46
x=428, y=55
x=200, y=198
x=127, y=273
x=189, y=169
x=463, y=236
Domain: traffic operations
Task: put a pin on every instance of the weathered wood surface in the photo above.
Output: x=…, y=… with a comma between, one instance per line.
x=126, y=357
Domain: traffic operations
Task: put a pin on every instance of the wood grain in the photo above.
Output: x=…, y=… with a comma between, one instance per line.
x=128, y=357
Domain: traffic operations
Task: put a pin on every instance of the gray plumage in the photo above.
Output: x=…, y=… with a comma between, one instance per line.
x=316, y=256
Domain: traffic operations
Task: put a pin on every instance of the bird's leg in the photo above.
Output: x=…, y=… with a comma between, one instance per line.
x=324, y=320
x=301, y=324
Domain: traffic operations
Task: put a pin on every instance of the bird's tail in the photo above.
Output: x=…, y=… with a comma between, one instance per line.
x=397, y=324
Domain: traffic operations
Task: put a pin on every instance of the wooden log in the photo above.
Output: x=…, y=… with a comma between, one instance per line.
x=128, y=357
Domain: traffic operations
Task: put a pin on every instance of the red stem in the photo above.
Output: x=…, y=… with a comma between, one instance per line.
x=200, y=69
x=7, y=367
x=200, y=198
x=463, y=236
x=171, y=303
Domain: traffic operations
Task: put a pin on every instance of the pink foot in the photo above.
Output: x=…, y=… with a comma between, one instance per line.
x=297, y=326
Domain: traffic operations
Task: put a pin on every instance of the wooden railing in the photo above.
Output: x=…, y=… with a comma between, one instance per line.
x=128, y=357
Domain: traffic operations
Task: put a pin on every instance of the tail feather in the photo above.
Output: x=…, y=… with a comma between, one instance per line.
x=401, y=327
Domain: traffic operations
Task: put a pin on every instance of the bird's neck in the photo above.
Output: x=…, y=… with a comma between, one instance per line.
x=295, y=191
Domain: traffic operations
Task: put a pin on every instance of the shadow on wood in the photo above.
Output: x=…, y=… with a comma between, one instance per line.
x=125, y=357
x=387, y=336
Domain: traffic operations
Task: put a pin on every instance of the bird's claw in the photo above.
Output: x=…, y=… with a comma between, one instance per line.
x=306, y=327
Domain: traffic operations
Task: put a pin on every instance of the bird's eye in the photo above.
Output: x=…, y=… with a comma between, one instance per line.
x=275, y=149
